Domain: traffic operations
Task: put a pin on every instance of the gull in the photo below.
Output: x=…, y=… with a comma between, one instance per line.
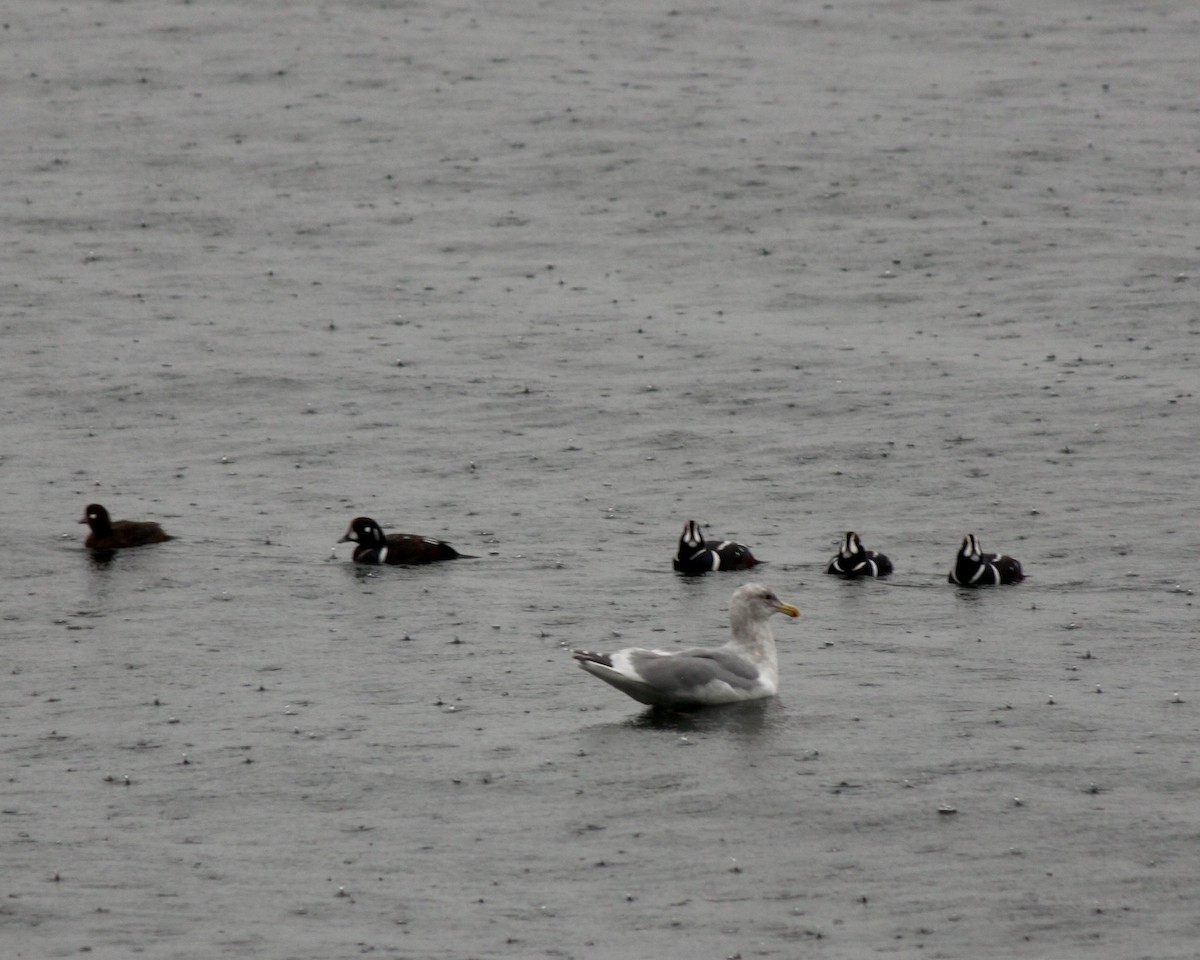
x=745, y=668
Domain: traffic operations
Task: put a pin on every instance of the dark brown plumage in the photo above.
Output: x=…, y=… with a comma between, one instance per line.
x=108, y=534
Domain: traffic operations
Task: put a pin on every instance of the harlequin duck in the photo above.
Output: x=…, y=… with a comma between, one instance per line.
x=107, y=534
x=696, y=556
x=394, y=548
x=974, y=568
x=853, y=561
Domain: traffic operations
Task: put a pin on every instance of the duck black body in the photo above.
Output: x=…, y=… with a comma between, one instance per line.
x=974, y=568
x=394, y=549
x=695, y=555
x=852, y=561
x=109, y=534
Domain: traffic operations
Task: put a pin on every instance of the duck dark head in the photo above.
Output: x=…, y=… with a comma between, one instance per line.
x=851, y=546
x=96, y=517
x=365, y=531
x=692, y=538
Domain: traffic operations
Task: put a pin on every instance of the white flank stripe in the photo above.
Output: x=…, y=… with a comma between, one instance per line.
x=988, y=569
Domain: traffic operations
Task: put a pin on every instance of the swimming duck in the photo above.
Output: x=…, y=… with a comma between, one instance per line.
x=695, y=555
x=852, y=561
x=374, y=546
x=974, y=568
x=108, y=534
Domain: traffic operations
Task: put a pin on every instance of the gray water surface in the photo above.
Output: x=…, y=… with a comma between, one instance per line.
x=546, y=283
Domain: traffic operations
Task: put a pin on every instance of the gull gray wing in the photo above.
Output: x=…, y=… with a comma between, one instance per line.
x=689, y=669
